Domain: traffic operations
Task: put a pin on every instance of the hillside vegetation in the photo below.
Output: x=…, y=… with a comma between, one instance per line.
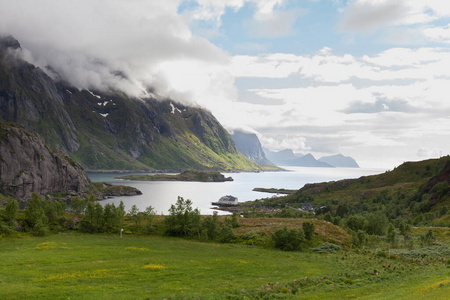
x=415, y=192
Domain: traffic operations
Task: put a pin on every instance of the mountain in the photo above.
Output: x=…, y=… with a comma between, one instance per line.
x=249, y=145
x=339, y=161
x=110, y=130
x=28, y=165
x=288, y=158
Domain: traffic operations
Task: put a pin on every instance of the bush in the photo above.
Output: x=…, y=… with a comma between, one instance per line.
x=226, y=234
x=356, y=223
x=254, y=238
x=428, y=238
x=377, y=223
x=326, y=248
x=39, y=229
x=287, y=240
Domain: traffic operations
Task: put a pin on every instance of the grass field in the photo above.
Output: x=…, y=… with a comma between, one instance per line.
x=82, y=266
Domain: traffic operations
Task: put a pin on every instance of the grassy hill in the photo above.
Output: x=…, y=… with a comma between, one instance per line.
x=414, y=191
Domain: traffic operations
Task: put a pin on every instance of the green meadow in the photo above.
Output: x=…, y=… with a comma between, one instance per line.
x=72, y=265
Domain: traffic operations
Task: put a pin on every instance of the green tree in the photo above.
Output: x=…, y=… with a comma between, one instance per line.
x=92, y=220
x=78, y=205
x=391, y=235
x=226, y=234
x=308, y=230
x=234, y=220
x=428, y=238
x=356, y=222
x=210, y=224
x=182, y=219
x=287, y=240
x=377, y=223
x=149, y=215
x=362, y=237
x=136, y=215
x=11, y=208
x=34, y=212
x=404, y=227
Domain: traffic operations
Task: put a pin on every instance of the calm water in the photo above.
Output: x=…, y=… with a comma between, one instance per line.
x=161, y=194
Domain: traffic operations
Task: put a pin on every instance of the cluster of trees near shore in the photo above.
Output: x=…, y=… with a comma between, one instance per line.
x=43, y=216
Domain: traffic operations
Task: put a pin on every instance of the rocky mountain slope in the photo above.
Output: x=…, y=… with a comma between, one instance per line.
x=110, y=130
x=28, y=165
x=249, y=145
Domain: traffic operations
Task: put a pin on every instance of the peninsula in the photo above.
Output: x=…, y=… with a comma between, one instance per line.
x=190, y=175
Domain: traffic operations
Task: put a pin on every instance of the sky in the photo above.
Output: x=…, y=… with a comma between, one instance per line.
x=368, y=79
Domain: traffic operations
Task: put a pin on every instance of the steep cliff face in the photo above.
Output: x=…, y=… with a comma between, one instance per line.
x=108, y=129
x=28, y=165
x=249, y=145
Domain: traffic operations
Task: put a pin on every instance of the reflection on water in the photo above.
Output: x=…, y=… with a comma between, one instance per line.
x=161, y=194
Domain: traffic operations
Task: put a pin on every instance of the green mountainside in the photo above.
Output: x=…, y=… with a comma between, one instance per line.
x=110, y=130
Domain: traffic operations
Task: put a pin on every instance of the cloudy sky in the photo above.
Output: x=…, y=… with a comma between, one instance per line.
x=366, y=78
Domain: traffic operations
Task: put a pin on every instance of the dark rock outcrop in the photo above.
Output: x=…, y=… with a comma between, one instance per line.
x=28, y=165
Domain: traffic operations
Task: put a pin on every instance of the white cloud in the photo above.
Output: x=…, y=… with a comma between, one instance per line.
x=386, y=103
x=371, y=14
x=115, y=44
x=406, y=21
x=267, y=66
x=439, y=34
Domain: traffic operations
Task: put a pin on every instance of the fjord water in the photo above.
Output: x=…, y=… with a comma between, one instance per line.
x=161, y=194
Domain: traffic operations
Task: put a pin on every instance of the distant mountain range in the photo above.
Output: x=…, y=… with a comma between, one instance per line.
x=339, y=161
x=110, y=130
x=249, y=145
x=289, y=158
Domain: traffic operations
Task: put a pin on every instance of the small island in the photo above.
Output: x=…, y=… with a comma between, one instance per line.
x=275, y=191
x=190, y=175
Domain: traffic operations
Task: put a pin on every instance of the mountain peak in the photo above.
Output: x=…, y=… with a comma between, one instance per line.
x=340, y=160
x=8, y=42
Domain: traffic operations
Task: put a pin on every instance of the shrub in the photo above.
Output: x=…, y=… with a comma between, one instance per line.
x=428, y=238
x=356, y=223
x=226, y=234
x=34, y=212
x=39, y=229
x=254, y=238
x=10, y=211
x=308, y=230
x=377, y=223
x=326, y=248
x=287, y=240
